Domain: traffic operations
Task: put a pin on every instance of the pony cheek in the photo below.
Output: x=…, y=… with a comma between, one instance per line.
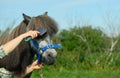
x=49, y=57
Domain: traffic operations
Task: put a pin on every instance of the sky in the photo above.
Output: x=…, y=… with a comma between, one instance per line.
x=67, y=13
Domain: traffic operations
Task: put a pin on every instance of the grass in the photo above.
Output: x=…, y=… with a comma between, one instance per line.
x=71, y=66
x=62, y=73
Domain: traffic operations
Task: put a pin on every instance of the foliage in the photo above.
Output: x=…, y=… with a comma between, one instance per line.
x=85, y=54
x=77, y=74
x=84, y=49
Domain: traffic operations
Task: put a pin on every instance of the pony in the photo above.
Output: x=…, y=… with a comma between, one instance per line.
x=23, y=54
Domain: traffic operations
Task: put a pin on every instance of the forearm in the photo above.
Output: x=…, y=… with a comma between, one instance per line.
x=29, y=69
x=33, y=66
x=11, y=45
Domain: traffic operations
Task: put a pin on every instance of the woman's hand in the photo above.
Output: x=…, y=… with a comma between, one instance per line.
x=31, y=33
x=30, y=68
x=33, y=66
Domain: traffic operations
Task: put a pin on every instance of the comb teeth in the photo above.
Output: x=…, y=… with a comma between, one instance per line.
x=42, y=31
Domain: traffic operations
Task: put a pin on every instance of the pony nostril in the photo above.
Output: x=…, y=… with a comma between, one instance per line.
x=49, y=55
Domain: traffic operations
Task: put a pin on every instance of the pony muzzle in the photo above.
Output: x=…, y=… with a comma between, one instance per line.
x=49, y=57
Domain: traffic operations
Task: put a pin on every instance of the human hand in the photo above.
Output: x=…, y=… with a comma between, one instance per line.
x=35, y=65
x=31, y=33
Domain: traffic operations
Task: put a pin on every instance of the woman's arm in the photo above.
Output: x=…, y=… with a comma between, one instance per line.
x=11, y=45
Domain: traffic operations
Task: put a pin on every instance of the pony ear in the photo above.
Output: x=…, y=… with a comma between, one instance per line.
x=46, y=13
x=26, y=17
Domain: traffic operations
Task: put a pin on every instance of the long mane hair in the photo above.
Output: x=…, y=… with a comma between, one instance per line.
x=22, y=55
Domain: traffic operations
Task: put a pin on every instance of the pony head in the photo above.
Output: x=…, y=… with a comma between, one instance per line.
x=43, y=21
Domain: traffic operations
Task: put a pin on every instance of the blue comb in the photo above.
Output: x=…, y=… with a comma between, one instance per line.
x=42, y=32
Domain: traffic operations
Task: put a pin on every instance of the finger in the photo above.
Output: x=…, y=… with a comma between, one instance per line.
x=36, y=31
x=35, y=34
x=35, y=62
x=38, y=66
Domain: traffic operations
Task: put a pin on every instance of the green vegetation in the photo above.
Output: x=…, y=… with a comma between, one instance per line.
x=78, y=74
x=86, y=53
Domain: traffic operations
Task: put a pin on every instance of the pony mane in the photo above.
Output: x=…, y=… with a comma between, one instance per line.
x=15, y=32
x=43, y=21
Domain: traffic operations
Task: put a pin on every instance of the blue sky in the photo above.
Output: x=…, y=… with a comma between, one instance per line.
x=65, y=12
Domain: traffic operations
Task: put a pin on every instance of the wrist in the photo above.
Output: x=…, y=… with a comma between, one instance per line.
x=22, y=36
x=29, y=69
